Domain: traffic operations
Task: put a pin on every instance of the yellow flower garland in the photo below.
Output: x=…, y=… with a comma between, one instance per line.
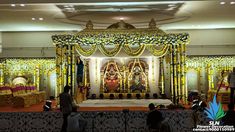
x=128, y=50
x=157, y=52
x=109, y=52
x=84, y=52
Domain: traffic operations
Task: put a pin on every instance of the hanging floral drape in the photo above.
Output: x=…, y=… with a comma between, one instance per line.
x=133, y=52
x=158, y=52
x=85, y=52
x=110, y=43
x=110, y=52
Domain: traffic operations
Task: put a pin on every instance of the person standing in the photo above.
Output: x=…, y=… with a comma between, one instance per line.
x=154, y=119
x=229, y=118
x=231, y=81
x=65, y=106
x=80, y=67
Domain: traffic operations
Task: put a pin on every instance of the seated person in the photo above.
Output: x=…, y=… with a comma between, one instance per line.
x=229, y=118
x=165, y=126
x=75, y=123
x=47, y=106
x=50, y=104
x=154, y=119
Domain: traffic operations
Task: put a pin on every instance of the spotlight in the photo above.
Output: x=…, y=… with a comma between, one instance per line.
x=222, y=2
x=171, y=5
x=41, y=19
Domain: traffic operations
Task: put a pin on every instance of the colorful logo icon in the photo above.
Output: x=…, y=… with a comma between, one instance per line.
x=215, y=111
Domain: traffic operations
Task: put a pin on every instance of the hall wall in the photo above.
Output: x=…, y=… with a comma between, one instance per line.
x=210, y=41
x=39, y=44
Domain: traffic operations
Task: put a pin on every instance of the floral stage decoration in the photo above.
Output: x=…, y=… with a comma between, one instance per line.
x=124, y=37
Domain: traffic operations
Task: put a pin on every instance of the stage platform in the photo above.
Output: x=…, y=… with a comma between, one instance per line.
x=103, y=105
x=120, y=104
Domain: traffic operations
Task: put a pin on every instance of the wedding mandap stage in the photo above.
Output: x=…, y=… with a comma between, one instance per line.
x=122, y=62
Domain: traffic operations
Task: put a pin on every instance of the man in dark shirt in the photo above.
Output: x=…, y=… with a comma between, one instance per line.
x=229, y=118
x=65, y=106
x=154, y=119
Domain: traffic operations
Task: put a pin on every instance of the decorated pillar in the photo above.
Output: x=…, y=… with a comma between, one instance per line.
x=199, y=80
x=37, y=77
x=183, y=72
x=210, y=77
x=64, y=64
x=173, y=74
x=59, y=72
x=70, y=67
x=66, y=61
x=86, y=73
x=65, y=67
x=178, y=72
x=161, y=84
x=1, y=74
x=152, y=76
x=178, y=89
x=125, y=68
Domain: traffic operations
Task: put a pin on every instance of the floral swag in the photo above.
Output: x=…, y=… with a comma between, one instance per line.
x=111, y=43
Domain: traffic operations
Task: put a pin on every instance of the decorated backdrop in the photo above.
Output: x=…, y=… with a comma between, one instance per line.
x=208, y=73
x=38, y=72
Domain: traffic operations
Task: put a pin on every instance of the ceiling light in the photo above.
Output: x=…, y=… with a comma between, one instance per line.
x=130, y=3
x=171, y=5
x=222, y=2
x=13, y=5
x=22, y=5
x=70, y=9
x=171, y=8
x=232, y=2
x=33, y=19
x=40, y=18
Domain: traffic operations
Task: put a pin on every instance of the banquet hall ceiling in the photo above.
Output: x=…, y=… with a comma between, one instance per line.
x=72, y=15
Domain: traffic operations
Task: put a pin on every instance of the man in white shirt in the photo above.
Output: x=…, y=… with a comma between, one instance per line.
x=231, y=81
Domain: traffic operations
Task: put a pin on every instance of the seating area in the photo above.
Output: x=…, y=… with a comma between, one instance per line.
x=20, y=96
x=126, y=121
